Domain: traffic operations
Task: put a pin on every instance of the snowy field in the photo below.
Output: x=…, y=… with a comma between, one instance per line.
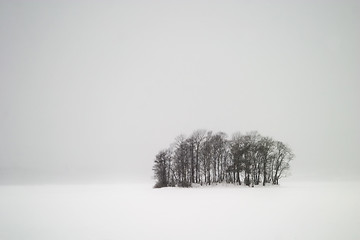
x=136, y=211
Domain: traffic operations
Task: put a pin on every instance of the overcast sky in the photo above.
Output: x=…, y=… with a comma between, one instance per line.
x=93, y=90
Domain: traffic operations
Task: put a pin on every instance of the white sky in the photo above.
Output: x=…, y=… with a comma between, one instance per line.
x=93, y=90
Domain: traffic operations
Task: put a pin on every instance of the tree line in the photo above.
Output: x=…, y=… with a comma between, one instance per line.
x=207, y=158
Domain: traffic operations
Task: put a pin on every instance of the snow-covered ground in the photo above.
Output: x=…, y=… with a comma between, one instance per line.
x=135, y=211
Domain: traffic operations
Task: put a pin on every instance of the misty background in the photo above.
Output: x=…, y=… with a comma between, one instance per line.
x=90, y=91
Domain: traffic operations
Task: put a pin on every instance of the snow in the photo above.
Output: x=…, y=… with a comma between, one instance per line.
x=302, y=210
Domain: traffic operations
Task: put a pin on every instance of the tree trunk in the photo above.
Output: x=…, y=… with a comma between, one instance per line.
x=192, y=165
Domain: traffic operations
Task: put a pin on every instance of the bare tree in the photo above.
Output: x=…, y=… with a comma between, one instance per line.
x=265, y=147
x=219, y=152
x=197, y=138
x=282, y=158
x=181, y=161
x=162, y=168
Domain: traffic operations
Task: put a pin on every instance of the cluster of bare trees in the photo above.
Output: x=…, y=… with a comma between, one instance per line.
x=208, y=158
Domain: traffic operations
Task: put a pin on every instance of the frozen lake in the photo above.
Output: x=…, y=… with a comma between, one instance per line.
x=136, y=211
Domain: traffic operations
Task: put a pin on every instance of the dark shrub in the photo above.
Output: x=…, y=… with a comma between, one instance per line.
x=160, y=185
